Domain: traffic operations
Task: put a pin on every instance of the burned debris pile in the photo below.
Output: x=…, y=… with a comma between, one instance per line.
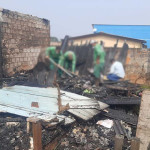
x=13, y=134
x=123, y=111
x=113, y=93
x=124, y=100
x=88, y=136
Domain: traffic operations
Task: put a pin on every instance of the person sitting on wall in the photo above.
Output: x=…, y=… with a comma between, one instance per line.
x=69, y=61
x=116, y=71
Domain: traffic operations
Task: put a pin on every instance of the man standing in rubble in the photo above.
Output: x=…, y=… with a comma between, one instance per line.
x=99, y=60
x=69, y=61
x=55, y=54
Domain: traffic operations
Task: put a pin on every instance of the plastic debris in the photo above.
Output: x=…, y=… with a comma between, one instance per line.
x=106, y=123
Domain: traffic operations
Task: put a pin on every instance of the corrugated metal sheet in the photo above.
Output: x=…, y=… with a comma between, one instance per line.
x=29, y=100
x=133, y=31
x=38, y=102
x=84, y=114
x=81, y=106
x=77, y=101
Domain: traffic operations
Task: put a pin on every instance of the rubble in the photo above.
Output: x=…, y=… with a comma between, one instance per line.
x=14, y=136
x=88, y=137
x=106, y=123
x=82, y=134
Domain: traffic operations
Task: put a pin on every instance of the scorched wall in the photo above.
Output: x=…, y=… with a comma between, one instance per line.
x=22, y=39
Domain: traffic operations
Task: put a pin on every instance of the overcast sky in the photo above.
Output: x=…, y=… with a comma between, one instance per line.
x=75, y=17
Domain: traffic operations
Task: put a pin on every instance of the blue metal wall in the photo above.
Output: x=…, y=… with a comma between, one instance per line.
x=133, y=31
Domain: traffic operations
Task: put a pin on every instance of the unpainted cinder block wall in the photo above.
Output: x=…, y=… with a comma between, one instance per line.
x=138, y=66
x=22, y=37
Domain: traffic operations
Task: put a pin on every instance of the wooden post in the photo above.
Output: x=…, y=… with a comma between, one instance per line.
x=28, y=127
x=135, y=144
x=37, y=135
x=118, y=142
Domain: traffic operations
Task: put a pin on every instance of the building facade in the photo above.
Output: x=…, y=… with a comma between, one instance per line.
x=141, y=32
x=109, y=40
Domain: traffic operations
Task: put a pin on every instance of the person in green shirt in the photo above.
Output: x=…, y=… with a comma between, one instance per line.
x=69, y=61
x=55, y=54
x=99, y=60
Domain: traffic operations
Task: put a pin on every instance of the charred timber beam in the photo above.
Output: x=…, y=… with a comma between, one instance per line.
x=117, y=87
x=3, y=120
x=118, y=126
x=55, y=142
x=120, y=130
x=120, y=115
x=116, y=129
x=125, y=101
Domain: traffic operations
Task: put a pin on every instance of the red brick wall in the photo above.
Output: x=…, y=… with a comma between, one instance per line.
x=23, y=37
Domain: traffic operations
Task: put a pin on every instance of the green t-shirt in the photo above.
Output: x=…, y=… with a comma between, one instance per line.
x=99, y=52
x=65, y=59
x=51, y=52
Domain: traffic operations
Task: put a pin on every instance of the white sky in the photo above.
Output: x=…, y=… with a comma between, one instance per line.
x=75, y=17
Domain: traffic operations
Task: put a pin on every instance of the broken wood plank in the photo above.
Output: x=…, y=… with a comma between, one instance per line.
x=135, y=143
x=37, y=135
x=118, y=142
x=53, y=144
x=143, y=127
x=117, y=87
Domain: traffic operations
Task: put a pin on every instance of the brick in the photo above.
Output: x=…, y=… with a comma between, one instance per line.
x=17, y=59
x=25, y=59
x=23, y=37
x=13, y=60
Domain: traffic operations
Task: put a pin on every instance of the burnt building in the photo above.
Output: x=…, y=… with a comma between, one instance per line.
x=22, y=37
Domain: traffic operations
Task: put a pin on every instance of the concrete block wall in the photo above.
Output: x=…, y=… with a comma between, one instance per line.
x=23, y=37
x=138, y=66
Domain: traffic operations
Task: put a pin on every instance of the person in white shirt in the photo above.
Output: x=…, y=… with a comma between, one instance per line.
x=116, y=71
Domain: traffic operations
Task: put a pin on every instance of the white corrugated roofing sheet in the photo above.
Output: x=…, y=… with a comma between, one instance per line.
x=33, y=101
x=81, y=106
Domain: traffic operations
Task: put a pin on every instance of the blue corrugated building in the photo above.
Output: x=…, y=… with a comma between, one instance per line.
x=141, y=32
